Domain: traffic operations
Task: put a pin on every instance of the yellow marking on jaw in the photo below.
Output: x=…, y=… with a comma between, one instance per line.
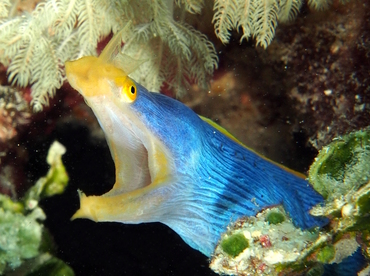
x=89, y=75
x=161, y=159
x=120, y=207
x=130, y=205
x=117, y=203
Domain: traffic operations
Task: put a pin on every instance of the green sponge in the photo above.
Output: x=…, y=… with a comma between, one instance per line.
x=275, y=218
x=235, y=244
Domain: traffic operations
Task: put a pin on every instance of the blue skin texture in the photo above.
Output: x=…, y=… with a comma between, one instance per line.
x=218, y=179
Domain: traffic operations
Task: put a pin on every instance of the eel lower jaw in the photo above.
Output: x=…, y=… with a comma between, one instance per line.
x=85, y=211
x=129, y=206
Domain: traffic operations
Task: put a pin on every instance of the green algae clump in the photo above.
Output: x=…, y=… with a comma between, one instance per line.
x=342, y=166
x=24, y=242
x=235, y=244
x=275, y=218
x=326, y=254
x=20, y=238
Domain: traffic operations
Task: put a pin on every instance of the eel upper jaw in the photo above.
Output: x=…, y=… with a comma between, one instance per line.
x=129, y=144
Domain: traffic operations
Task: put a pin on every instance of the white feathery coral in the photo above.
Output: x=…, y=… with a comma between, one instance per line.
x=35, y=46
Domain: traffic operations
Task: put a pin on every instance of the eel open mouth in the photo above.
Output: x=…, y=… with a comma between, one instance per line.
x=142, y=164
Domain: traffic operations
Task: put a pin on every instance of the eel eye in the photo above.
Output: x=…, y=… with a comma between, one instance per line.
x=132, y=90
x=128, y=89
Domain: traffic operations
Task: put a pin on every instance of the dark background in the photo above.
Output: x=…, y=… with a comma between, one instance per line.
x=104, y=248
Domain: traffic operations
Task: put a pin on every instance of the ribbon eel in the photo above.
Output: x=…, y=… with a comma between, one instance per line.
x=175, y=167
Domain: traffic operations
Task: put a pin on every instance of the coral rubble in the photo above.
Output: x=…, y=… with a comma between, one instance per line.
x=271, y=246
x=340, y=173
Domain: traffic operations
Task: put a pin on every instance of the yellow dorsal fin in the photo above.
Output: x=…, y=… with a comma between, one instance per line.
x=113, y=48
x=128, y=63
x=112, y=53
x=221, y=129
x=232, y=137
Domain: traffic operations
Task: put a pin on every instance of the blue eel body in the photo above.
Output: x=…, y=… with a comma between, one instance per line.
x=218, y=180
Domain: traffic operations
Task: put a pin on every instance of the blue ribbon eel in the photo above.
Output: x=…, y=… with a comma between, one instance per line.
x=175, y=167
